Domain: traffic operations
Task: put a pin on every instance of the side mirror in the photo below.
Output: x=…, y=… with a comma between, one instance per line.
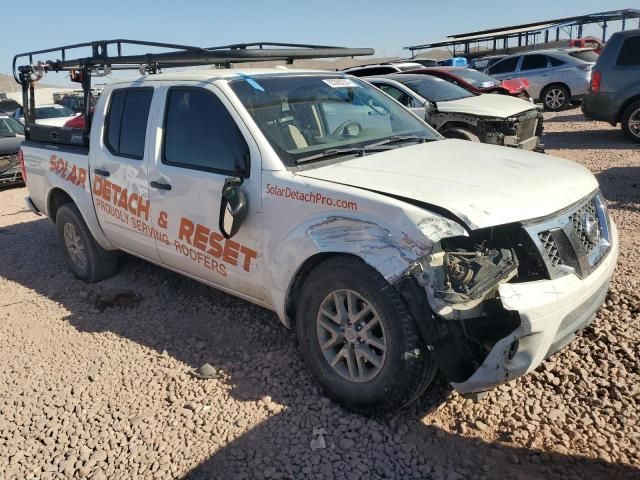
x=233, y=207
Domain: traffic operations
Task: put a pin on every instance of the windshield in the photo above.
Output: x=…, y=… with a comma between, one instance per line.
x=53, y=112
x=436, y=89
x=305, y=117
x=585, y=55
x=475, y=78
x=10, y=127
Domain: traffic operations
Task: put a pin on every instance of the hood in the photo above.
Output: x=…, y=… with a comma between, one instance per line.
x=483, y=185
x=487, y=105
x=515, y=85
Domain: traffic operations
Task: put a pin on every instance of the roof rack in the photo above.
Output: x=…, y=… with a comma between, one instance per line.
x=102, y=57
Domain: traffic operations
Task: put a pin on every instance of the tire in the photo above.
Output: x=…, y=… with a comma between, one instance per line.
x=555, y=98
x=405, y=367
x=86, y=259
x=460, y=133
x=630, y=122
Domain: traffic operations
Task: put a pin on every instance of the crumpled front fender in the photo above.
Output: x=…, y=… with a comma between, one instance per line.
x=390, y=250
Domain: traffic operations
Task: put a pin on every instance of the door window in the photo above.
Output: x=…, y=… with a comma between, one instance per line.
x=533, y=62
x=630, y=52
x=396, y=93
x=508, y=65
x=127, y=121
x=200, y=133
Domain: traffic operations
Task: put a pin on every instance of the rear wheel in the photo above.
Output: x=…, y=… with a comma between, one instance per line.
x=460, y=133
x=87, y=260
x=630, y=122
x=555, y=98
x=358, y=338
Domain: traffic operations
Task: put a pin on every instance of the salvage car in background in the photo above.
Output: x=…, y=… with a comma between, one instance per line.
x=458, y=113
x=55, y=115
x=615, y=84
x=556, y=77
x=8, y=106
x=381, y=68
x=11, y=137
x=482, y=63
x=477, y=82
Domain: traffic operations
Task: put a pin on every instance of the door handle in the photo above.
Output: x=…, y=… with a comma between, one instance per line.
x=160, y=186
x=101, y=172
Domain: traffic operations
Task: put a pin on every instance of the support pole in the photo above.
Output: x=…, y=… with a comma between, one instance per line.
x=32, y=101
x=604, y=31
x=86, y=87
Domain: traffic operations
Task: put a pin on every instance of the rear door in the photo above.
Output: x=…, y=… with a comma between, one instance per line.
x=119, y=172
x=535, y=68
x=198, y=144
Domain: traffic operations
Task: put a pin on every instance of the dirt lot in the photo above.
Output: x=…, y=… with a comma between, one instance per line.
x=96, y=378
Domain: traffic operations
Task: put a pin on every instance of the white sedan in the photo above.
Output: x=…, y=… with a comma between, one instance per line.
x=55, y=115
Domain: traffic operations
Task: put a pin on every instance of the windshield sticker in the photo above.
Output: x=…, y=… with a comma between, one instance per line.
x=252, y=82
x=340, y=83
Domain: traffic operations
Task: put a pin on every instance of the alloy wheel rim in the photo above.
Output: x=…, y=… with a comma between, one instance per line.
x=351, y=336
x=75, y=246
x=555, y=98
x=634, y=123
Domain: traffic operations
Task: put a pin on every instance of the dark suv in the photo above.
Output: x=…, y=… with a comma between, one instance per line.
x=614, y=94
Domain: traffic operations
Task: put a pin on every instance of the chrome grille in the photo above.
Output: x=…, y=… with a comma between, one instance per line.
x=577, y=219
x=550, y=248
x=574, y=241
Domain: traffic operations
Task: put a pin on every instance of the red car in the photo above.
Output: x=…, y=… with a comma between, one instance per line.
x=77, y=121
x=477, y=82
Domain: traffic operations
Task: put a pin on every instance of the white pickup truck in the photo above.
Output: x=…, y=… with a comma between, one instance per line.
x=392, y=251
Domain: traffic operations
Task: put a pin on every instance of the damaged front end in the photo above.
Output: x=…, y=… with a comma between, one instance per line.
x=461, y=315
x=521, y=131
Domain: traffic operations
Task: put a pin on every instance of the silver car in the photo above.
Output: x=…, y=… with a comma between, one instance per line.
x=556, y=77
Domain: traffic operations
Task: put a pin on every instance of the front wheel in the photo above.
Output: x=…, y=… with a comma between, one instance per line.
x=359, y=339
x=630, y=122
x=461, y=134
x=87, y=260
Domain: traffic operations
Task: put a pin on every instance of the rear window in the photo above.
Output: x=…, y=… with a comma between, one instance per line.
x=585, y=55
x=532, y=62
x=372, y=71
x=555, y=62
x=436, y=89
x=630, y=52
x=127, y=122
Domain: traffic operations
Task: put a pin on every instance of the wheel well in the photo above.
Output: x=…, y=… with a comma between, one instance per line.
x=454, y=124
x=625, y=105
x=554, y=84
x=57, y=198
x=296, y=284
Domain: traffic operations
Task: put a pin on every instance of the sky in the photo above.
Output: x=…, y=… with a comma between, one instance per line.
x=384, y=25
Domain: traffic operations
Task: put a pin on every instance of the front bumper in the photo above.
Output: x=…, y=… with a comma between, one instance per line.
x=551, y=312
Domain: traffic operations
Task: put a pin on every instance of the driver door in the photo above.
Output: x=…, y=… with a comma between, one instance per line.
x=201, y=143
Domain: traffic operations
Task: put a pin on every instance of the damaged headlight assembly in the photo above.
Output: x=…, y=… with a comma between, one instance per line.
x=463, y=274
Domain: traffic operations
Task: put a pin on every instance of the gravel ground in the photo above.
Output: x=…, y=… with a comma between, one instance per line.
x=97, y=379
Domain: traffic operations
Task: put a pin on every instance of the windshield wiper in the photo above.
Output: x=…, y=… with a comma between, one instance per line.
x=335, y=152
x=404, y=138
